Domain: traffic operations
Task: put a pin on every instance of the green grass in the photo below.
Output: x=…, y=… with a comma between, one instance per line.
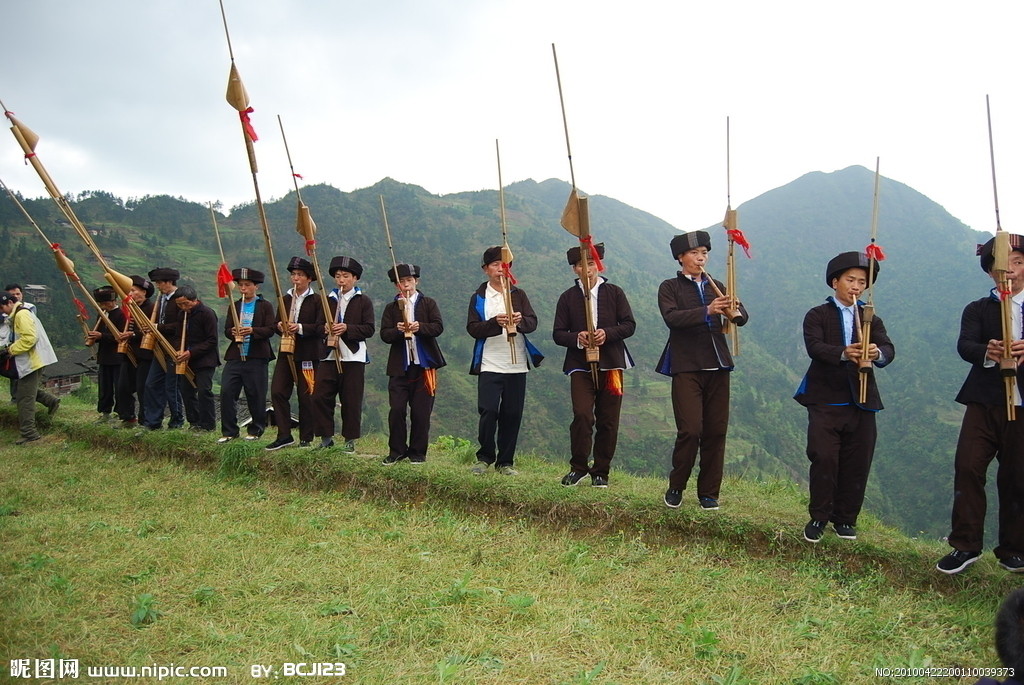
x=168, y=549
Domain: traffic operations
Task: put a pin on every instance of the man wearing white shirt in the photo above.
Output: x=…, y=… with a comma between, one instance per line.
x=306, y=323
x=351, y=324
x=412, y=365
x=501, y=380
x=595, y=407
x=986, y=433
x=841, y=430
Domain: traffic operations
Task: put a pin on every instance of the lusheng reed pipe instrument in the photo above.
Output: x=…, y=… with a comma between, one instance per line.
x=576, y=220
x=735, y=236
x=306, y=227
x=226, y=285
x=1001, y=249
x=181, y=366
x=865, y=366
x=28, y=140
x=507, y=280
x=404, y=303
x=238, y=98
x=67, y=267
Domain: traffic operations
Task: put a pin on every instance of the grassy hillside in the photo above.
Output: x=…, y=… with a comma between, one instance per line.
x=794, y=230
x=121, y=551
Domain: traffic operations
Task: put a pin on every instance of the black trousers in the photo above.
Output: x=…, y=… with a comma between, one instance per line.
x=500, y=398
x=252, y=377
x=700, y=402
x=162, y=391
x=592, y=407
x=345, y=387
x=409, y=393
x=840, y=447
x=106, y=379
x=199, y=405
x=985, y=434
x=131, y=388
x=281, y=387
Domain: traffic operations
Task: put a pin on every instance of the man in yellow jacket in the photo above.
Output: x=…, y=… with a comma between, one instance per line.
x=31, y=351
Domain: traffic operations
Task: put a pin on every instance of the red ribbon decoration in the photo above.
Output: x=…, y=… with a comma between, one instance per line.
x=298, y=176
x=588, y=242
x=736, y=236
x=81, y=309
x=125, y=309
x=874, y=251
x=247, y=125
x=507, y=268
x=310, y=244
x=223, y=278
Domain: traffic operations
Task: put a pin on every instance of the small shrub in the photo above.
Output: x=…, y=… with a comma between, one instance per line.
x=143, y=612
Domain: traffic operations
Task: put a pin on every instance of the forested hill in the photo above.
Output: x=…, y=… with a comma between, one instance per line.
x=930, y=273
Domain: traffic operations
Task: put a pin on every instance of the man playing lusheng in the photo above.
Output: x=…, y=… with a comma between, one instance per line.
x=131, y=380
x=352, y=321
x=697, y=358
x=246, y=363
x=501, y=383
x=200, y=353
x=985, y=432
x=108, y=359
x=841, y=431
x=306, y=323
x=32, y=351
x=593, y=406
x=162, y=383
x=412, y=366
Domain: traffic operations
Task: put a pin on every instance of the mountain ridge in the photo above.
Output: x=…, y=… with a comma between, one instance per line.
x=793, y=231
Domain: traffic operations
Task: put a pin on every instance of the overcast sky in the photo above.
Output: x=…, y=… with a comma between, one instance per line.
x=128, y=96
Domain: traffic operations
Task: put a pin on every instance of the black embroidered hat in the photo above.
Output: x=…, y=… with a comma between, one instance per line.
x=300, y=264
x=345, y=264
x=689, y=241
x=164, y=274
x=573, y=254
x=142, y=284
x=985, y=251
x=403, y=271
x=848, y=260
x=245, y=274
x=491, y=254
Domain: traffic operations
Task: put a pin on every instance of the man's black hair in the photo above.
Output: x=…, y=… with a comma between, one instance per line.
x=186, y=291
x=1010, y=632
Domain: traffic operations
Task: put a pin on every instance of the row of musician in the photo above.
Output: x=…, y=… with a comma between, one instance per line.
x=324, y=355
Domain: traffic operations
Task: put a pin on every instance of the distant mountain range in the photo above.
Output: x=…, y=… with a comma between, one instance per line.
x=929, y=275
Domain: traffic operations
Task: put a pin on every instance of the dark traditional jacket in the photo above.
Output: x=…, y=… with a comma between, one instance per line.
x=106, y=346
x=172, y=314
x=264, y=325
x=309, y=346
x=481, y=328
x=828, y=379
x=137, y=331
x=358, y=316
x=431, y=326
x=201, y=337
x=695, y=338
x=982, y=321
x=614, y=315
